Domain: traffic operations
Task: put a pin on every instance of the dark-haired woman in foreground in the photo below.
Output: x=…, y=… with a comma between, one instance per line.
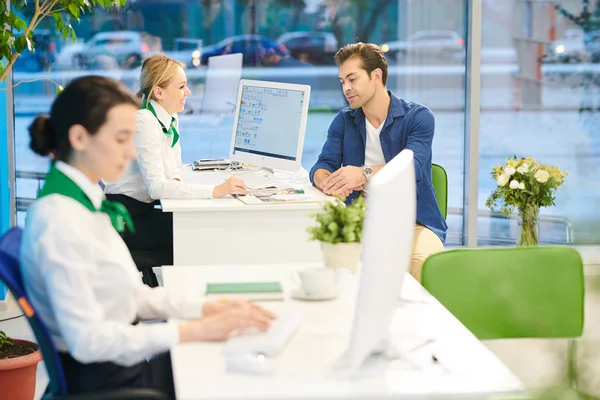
x=77, y=270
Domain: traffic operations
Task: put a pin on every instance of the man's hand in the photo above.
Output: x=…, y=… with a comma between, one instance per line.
x=343, y=181
x=343, y=193
x=320, y=176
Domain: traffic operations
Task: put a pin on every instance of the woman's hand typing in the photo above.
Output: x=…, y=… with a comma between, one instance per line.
x=221, y=324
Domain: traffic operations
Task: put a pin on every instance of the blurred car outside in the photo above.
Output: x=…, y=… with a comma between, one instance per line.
x=253, y=47
x=187, y=50
x=570, y=48
x=124, y=49
x=315, y=48
x=444, y=44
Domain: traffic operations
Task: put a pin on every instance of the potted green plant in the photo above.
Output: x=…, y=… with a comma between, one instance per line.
x=339, y=229
x=526, y=185
x=18, y=367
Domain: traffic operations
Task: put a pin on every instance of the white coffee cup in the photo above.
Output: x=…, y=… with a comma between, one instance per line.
x=318, y=281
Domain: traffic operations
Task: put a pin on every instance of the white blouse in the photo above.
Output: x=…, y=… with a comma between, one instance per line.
x=83, y=283
x=151, y=176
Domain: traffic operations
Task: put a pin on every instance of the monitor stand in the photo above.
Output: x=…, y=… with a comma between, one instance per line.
x=375, y=363
x=237, y=166
x=270, y=171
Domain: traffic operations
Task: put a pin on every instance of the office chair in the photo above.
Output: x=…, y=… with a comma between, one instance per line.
x=506, y=293
x=145, y=260
x=439, y=179
x=10, y=274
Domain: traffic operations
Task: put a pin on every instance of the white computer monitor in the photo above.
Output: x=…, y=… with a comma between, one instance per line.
x=270, y=124
x=387, y=246
x=221, y=84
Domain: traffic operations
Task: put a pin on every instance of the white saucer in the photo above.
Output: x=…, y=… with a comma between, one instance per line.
x=298, y=293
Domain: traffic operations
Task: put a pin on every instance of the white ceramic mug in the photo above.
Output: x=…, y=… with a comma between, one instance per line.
x=318, y=281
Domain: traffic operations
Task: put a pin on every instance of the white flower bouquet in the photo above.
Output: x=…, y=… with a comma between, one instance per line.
x=526, y=185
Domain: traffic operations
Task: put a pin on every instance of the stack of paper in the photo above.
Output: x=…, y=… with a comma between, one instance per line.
x=274, y=195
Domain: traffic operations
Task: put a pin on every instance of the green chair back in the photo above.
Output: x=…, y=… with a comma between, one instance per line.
x=439, y=179
x=525, y=292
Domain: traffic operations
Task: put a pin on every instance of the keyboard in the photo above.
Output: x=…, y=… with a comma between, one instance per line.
x=258, y=181
x=269, y=343
x=210, y=165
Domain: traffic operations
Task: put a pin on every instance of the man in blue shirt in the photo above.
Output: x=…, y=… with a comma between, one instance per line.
x=375, y=128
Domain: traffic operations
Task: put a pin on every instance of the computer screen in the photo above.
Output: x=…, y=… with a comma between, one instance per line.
x=221, y=84
x=270, y=124
x=387, y=247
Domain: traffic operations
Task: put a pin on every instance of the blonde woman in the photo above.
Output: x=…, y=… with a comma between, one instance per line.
x=157, y=172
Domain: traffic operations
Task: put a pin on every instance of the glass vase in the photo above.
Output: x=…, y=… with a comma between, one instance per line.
x=528, y=226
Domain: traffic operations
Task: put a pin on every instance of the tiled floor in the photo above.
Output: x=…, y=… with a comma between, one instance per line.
x=538, y=363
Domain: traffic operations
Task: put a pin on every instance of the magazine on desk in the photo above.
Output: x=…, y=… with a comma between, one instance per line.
x=275, y=196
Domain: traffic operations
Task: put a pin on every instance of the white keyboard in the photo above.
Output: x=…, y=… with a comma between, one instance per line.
x=269, y=343
x=254, y=180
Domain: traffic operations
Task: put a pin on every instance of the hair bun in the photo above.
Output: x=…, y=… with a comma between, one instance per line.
x=43, y=139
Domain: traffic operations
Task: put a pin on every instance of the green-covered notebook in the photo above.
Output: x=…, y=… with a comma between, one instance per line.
x=246, y=290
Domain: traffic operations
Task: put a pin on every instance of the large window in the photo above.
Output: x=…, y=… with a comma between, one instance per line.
x=540, y=98
x=424, y=42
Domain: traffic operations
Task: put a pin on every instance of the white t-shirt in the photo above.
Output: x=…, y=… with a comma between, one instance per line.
x=373, y=150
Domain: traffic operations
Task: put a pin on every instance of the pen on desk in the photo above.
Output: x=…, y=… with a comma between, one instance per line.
x=436, y=361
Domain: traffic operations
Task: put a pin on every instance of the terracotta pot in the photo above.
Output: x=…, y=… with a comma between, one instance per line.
x=17, y=375
x=341, y=255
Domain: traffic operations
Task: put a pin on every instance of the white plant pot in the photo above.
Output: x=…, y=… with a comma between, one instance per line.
x=341, y=255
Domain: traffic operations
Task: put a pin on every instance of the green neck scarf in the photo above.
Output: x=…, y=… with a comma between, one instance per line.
x=59, y=183
x=171, y=130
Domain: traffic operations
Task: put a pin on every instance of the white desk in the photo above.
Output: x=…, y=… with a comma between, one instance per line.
x=227, y=231
x=467, y=370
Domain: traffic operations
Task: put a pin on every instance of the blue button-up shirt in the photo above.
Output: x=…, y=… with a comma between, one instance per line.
x=407, y=126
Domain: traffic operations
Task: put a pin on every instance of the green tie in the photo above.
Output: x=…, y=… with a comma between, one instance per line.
x=119, y=216
x=171, y=131
x=59, y=183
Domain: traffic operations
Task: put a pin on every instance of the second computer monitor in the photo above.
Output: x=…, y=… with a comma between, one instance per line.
x=387, y=246
x=270, y=124
x=221, y=84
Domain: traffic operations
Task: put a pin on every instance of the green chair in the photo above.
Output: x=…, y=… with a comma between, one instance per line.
x=524, y=292
x=439, y=179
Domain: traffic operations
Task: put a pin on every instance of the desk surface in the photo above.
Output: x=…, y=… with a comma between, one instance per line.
x=229, y=203
x=466, y=369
